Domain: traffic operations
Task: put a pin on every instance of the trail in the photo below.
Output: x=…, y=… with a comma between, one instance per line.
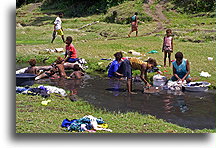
x=157, y=15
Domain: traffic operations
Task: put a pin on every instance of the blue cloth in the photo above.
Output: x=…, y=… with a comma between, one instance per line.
x=72, y=60
x=181, y=69
x=113, y=68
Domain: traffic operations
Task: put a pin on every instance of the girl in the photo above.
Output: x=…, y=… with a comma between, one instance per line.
x=134, y=24
x=167, y=46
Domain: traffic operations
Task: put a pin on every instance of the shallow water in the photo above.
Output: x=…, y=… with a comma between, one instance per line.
x=195, y=110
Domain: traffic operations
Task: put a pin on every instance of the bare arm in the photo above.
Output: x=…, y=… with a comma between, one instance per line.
x=172, y=45
x=143, y=75
x=163, y=44
x=188, y=70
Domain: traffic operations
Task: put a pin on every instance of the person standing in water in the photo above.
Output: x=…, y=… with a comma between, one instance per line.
x=58, y=28
x=134, y=24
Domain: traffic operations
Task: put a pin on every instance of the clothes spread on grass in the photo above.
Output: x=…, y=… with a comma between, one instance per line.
x=41, y=90
x=86, y=123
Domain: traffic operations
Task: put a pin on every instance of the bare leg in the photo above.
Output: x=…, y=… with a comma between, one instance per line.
x=165, y=56
x=169, y=57
x=53, y=39
x=63, y=38
x=136, y=33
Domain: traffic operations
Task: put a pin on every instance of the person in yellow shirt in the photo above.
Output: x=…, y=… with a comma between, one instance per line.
x=125, y=70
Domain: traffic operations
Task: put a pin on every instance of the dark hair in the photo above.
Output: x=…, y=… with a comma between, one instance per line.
x=76, y=67
x=118, y=55
x=136, y=13
x=70, y=39
x=59, y=60
x=32, y=62
x=168, y=31
x=152, y=61
x=60, y=13
x=179, y=55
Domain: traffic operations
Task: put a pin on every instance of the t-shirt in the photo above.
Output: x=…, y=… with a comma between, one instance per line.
x=181, y=69
x=57, y=23
x=113, y=68
x=71, y=49
x=136, y=63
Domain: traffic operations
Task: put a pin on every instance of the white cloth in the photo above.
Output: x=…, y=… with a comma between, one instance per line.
x=57, y=23
x=205, y=74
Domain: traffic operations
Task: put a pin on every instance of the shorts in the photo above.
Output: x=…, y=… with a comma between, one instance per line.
x=167, y=49
x=72, y=60
x=125, y=69
x=58, y=32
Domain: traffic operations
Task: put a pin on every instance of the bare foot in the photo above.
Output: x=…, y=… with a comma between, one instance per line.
x=132, y=93
x=128, y=35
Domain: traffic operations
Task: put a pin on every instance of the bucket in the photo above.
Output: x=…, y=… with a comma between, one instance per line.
x=25, y=79
x=159, y=80
x=196, y=86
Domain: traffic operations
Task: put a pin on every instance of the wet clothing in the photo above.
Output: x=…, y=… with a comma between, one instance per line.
x=181, y=69
x=113, y=68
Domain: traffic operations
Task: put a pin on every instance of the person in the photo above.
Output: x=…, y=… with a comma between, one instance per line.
x=167, y=46
x=70, y=53
x=134, y=24
x=32, y=68
x=60, y=67
x=127, y=65
x=58, y=30
x=181, y=69
x=48, y=74
x=112, y=72
x=77, y=74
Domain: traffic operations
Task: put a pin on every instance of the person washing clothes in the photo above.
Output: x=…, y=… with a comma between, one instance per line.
x=112, y=72
x=125, y=70
x=181, y=69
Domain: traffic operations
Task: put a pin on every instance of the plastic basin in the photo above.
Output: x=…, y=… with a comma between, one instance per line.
x=202, y=87
x=25, y=79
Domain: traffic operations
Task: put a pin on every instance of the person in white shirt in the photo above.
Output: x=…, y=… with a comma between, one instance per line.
x=58, y=28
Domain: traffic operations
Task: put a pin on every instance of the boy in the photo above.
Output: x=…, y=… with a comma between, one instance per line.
x=60, y=67
x=77, y=74
x=32, y=69
x=58, y=28
x=70, y=53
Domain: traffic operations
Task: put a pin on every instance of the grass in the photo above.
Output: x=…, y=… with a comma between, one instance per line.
x=91, y=44
x=32, y=117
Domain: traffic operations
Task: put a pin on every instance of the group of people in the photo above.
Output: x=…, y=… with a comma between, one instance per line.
x=120, y=67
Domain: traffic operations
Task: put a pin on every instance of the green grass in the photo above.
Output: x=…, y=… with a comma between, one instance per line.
x=35, y=36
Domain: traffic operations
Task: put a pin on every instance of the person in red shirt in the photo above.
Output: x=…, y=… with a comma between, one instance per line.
x=71, y=53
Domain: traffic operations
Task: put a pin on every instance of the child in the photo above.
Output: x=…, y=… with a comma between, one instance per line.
x=77, y=74
x=58, y=28
x=181, y=69
x=167, y=46
x=48, y=74
x=32, y=69
x=134, y=24
x=112, y=72
x=60, y=67
x=71, y=53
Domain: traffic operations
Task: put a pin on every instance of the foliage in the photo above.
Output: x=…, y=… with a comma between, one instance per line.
x=193, y=6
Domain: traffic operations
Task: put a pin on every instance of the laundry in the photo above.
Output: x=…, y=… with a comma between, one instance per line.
x=45, y=102
x=32, y=91
x=86, y=123
x=133, y=52
x=205, y=74
x=174, y=85
x=53, y=89
x=153, y=51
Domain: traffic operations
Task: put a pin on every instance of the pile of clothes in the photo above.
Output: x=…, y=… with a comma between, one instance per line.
x=41, y=90
x=86, y=123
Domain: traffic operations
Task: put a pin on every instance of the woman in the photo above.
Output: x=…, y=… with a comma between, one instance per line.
x=134, y=24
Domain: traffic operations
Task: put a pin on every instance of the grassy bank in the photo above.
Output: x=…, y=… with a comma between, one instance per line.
x=102, y=40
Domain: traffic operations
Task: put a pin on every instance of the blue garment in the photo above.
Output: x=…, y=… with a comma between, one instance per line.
x=181, y=69
x=113, y=68
x=72, y=60
x=133, y=18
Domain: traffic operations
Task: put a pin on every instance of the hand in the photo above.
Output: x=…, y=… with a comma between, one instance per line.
x=148, y=85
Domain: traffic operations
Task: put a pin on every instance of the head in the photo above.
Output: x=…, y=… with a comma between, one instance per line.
x=59, y=60
x=118, y=56
x=179, y=57
x=69, y=40
x=76, y=67
x=168, y=32
x=151, y=63
x=32, y=62
x=60, y=14
x=136, y=13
